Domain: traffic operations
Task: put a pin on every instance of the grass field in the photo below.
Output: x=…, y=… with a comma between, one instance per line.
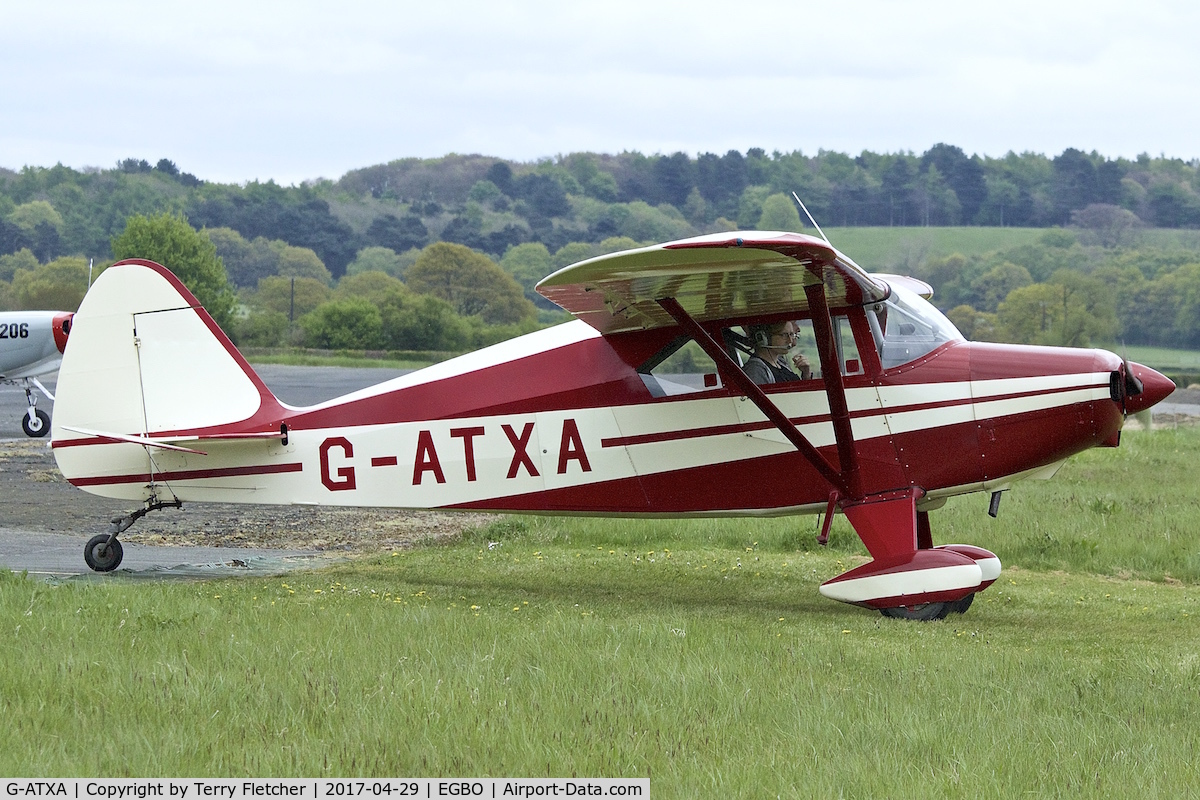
x=1161, y=358
x=697, y=653
x=883, y=249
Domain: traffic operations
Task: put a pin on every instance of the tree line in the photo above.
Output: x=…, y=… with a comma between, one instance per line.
x=490, y=204
x=447, y=251
x=1068, y=289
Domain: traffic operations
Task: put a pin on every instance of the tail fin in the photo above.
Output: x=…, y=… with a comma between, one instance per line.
x=145, y=359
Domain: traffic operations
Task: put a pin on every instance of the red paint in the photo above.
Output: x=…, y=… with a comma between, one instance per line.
x=887, y=523
x=468, y=436
x=1155, y=388
x=426, y=460
x=520, y=456
x=270, y=412
x=882, y=478
x=61, y=326
x=188, y=475
x=976, y=554
x=571, y=448
x=911, y=562
x=345, y=480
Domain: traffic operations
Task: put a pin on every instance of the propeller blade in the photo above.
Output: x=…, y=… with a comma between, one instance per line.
x=1133, y=385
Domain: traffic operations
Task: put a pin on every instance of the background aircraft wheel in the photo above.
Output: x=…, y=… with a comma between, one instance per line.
x=961, y=606
x=102, y=556
x=38, y=426
x=921, y=613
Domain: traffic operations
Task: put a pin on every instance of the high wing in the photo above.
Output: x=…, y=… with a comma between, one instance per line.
x=731, y=275
x=716, y=276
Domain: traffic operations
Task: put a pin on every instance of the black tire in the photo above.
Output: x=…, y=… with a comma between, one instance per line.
x=961, y=606
x=101, y=555
x=922, y=613
x=38, y=426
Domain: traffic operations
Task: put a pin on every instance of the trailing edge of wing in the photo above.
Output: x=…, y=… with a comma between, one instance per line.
x=712, y=277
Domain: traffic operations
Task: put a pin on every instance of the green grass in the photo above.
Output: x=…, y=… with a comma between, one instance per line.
x=883, y=249
x=1160, y=358
x=1170, y=238
x=697, y=653
x=1133, y=511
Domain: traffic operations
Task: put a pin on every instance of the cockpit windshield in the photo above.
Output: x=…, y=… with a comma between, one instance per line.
x=906, y=327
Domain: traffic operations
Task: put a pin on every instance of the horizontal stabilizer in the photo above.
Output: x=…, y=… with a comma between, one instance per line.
x=145, y=441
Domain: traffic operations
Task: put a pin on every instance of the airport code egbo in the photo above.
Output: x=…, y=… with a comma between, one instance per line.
x=312, y=789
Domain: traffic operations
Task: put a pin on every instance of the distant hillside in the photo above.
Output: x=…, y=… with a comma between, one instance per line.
x=492, y=205
x=1072, y=249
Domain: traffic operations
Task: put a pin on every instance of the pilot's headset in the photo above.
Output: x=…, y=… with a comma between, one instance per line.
x=760, y=335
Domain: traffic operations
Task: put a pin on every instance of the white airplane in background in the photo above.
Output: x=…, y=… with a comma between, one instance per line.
x=31, y=345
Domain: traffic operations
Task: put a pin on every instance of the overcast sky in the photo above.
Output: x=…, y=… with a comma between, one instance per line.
x=238, y=91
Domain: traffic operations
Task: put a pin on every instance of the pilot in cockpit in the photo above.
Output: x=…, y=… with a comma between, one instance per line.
x=771, y=344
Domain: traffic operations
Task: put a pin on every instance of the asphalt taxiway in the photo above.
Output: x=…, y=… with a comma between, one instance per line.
x=26, y=546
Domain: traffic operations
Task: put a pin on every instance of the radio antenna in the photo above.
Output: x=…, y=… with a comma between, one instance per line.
x=810, y=219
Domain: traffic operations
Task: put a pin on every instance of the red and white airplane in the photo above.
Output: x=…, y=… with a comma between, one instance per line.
x=31, y=345
x=599, y=416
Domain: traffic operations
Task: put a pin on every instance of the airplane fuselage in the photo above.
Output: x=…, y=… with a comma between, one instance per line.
x=31, y=342
x=588, y=437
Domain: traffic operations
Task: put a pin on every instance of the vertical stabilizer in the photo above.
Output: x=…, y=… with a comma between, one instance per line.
x=145, y=359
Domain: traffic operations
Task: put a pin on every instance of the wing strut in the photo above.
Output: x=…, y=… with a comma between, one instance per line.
x=748, y=387
x=835, y=388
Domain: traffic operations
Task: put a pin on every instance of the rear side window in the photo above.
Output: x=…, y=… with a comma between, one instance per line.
x=682, y=367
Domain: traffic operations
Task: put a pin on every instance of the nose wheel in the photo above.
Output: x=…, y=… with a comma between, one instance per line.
x=36, y=423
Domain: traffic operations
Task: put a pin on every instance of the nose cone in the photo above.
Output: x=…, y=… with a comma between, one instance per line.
x=1155, y=388
x=62, y=329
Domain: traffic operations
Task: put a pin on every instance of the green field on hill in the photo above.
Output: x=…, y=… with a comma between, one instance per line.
x=885, y=249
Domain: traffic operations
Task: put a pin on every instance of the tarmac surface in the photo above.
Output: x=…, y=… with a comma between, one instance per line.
x=45, y=522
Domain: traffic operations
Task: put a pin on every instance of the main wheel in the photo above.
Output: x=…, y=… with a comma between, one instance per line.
x=922, y=613
x=961, y=606
x=102, y=555
x=38, y=426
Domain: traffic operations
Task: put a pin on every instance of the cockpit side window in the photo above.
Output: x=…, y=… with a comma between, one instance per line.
x=906, y=327
x=804, y=344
